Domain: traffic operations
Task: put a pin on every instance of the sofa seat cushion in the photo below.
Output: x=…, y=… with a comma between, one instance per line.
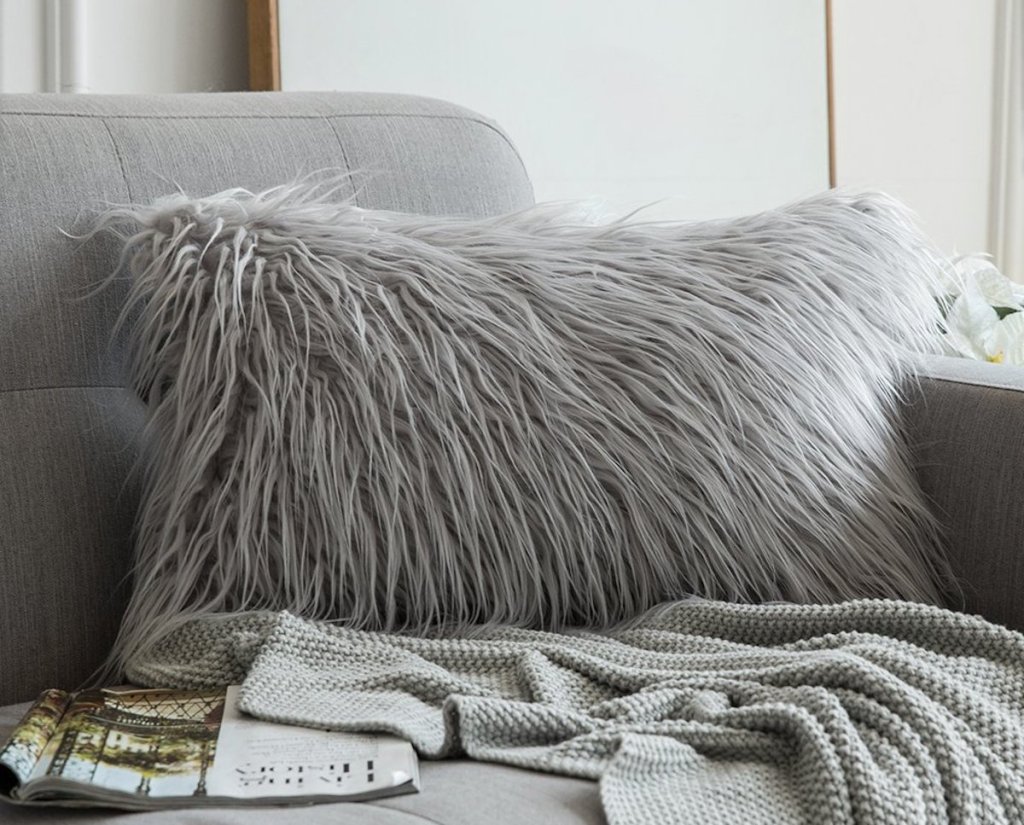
x=455, y=792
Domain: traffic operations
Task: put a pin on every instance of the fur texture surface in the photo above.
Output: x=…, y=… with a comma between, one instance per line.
x=405, y=422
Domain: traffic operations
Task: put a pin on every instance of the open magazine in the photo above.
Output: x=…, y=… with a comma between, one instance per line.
x=144, y=749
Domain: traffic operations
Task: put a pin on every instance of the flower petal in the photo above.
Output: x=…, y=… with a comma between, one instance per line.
x=970, y=324
x=1007, y=339
x=996, y=288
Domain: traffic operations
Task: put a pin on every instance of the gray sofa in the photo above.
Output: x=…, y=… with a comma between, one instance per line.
x=70, y=431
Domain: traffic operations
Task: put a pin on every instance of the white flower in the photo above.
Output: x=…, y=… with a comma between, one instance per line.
x=973, y=326
x=995, y=288
x=1006, y=344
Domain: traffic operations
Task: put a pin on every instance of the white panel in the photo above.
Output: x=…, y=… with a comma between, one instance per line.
x=914, y=97
x=138, y=46
x=22, y=67
x=719, y=103
x=162, y=46
x=73, y=37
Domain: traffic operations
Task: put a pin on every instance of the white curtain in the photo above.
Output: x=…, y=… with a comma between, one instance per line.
x=1006, y=220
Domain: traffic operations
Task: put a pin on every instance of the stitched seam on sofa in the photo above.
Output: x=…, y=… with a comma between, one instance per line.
x=104, y=118
x=486, y=124
x=269, y=116
x=344, y=156
x=120, y=158
x=59, y=387
x=988, y=385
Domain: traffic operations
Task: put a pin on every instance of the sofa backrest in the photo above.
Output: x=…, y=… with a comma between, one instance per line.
x=69, y=430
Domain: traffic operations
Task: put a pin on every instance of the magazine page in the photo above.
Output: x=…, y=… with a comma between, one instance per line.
x=140, y=749
x=258, y=759
x=21, y=755
x=146, y=743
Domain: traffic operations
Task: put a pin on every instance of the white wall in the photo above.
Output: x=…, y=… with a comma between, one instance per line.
x=22, y=52
x=133, y=45
x=719, y=105
x=914, y=108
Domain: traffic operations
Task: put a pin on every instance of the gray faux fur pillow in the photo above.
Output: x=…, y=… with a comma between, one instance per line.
x=404, y=421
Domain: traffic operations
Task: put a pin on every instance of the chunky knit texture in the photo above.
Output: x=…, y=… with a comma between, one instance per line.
x=864, y=712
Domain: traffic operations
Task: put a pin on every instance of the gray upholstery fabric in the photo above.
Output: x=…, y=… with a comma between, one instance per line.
x=68, y=433
x=456, y=792
x=966, y=424
x=66, y=510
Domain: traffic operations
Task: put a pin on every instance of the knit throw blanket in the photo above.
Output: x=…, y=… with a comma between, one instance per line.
x=865, y=712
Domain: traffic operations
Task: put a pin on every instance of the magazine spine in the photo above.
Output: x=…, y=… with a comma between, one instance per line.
x=28, y=740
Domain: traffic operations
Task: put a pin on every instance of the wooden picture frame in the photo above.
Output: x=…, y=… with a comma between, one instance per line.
x=829, y=92
x=264, y=46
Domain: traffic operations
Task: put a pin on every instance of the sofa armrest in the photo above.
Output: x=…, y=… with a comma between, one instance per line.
x=965, y=422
